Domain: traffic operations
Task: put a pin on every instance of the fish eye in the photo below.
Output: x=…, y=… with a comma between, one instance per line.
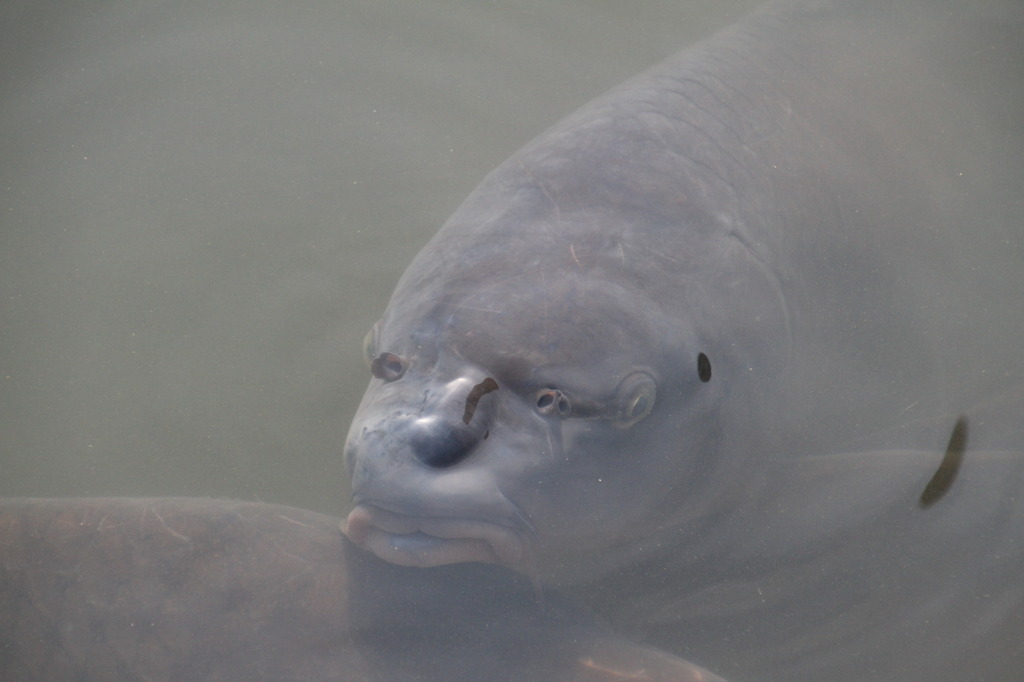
x=703, y=368
x=635, y=399
x=551, y=403
x=370, y=345
x=388, y=367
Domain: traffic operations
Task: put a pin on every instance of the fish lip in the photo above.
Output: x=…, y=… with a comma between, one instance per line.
x=426, y=541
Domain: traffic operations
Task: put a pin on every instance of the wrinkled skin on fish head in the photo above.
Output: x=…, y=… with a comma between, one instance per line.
x=531, y=413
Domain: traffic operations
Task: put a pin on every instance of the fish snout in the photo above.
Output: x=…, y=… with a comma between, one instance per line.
x=461, y=423
x=413, y=504
x=439, y=442
x=446, y=425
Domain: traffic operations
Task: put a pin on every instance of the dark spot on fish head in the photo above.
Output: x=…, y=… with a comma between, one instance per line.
x=703, y=367
x=480, y=390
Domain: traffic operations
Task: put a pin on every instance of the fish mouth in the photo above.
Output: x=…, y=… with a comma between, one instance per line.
x=432, y=541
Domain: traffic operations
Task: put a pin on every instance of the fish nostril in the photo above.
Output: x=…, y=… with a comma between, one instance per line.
x=442, y=445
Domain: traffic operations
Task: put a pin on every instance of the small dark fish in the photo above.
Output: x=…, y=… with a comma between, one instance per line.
x=945, y=475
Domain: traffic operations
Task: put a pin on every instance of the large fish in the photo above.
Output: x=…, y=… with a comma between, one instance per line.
x=732, y=354
x=109, y=589
x=728, y=360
